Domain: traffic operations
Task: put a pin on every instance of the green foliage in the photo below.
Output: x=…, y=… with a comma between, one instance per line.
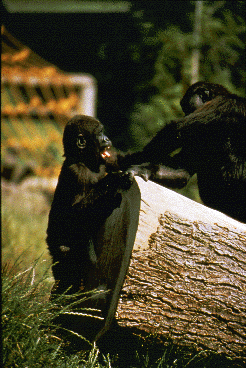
x=30, y=338
x=222, y=60
x=223, y=47
x=23, y=235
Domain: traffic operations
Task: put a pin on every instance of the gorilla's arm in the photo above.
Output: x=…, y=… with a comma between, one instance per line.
x=216, y=116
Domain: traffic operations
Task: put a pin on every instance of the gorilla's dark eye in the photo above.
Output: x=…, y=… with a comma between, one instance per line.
x=81, y=142
x=205, y=96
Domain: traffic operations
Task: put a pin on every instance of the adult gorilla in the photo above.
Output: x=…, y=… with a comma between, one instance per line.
x=212, y=138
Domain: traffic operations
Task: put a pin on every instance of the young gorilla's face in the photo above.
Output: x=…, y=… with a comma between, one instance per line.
x=84, y=137
x=95, y=144
x=102, y=140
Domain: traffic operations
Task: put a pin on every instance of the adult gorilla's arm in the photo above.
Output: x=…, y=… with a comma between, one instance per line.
x=218, y=114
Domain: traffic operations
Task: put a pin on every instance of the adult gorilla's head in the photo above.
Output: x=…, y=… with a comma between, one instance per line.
x=200, y=93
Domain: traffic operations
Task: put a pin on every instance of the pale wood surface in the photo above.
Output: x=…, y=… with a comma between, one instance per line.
x=114, y=248
x=156, y=200
x=187, y=275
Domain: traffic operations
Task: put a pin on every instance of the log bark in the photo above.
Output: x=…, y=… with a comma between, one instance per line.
x=187, y=275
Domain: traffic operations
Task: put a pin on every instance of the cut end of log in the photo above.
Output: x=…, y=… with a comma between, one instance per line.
x=156, y=200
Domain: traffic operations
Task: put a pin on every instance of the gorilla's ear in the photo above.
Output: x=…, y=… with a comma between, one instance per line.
x=81, y=141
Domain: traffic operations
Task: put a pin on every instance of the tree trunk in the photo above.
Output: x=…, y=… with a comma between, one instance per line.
x=187, y=275
x=195, y=56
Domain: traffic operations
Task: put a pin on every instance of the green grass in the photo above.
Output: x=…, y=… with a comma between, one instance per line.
x=23, y=238
x=31, y=339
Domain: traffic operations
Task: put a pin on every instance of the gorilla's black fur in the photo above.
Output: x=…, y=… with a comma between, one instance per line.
x=212, y=138
x=84, y=197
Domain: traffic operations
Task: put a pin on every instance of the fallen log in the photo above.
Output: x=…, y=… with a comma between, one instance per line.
x=171, y=267
x=187, y=275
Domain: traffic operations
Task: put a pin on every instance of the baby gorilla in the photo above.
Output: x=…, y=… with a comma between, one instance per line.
x=84, y=197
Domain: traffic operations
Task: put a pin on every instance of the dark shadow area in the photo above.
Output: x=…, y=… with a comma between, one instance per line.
x=129, y=347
